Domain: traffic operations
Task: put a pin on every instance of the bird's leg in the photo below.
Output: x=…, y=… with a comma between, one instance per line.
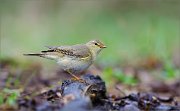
x=75, y=77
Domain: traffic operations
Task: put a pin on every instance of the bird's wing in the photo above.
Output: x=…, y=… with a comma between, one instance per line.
x=80, y=51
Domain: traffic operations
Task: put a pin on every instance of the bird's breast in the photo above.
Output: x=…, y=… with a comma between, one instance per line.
x=74, y=64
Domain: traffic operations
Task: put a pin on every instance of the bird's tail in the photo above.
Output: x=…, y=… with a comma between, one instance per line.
x=44, y=54
x=34, y=54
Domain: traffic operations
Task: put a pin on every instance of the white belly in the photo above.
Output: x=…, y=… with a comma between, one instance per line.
x=73, y=65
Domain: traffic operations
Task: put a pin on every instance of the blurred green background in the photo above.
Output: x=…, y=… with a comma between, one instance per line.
x=131, y=29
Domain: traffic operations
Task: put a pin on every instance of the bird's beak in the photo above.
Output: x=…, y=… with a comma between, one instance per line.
x=103, y=46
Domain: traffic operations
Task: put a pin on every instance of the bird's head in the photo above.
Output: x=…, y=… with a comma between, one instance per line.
x=95, y=46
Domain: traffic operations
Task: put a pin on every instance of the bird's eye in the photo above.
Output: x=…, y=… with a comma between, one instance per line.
x=96, y=44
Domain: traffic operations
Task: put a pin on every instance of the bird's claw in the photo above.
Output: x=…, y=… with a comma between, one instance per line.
x=79, y=79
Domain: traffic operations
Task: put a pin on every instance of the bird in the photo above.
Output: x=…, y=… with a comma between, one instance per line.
x=73, y=59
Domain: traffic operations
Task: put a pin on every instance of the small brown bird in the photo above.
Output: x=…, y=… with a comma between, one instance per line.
x=73, y=59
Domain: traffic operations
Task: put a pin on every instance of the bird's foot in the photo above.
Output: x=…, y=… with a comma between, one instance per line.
x=75, y=78
x=79, y=80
